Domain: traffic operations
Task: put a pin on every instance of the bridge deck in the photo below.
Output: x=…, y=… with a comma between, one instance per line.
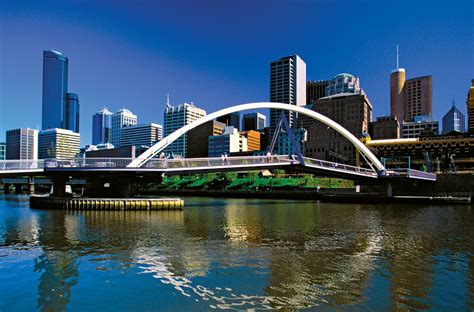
x=201, y=165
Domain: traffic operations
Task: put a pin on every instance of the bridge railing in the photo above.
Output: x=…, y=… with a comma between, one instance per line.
x=14, y=165
x=339, y=167
x=214, y=161
x=87, y=163
x=407, y=172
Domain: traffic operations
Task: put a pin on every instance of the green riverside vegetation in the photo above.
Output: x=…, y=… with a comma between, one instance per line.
x=252, y=181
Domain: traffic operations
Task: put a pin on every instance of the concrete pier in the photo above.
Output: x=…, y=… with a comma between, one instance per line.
x=50, y=202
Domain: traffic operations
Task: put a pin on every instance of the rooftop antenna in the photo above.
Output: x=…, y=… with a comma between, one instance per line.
x=397, y=56
x=168, y=100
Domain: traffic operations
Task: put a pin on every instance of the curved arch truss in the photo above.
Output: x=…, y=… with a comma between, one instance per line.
x=161, y=145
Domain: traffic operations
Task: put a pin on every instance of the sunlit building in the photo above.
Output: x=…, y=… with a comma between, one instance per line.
x=21, y=144
x=58, y=143
x=122, y=118
x=470, y=108
x=231, y=141
x=141, y=135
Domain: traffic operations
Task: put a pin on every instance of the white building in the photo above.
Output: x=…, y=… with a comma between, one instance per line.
x=285, y=145
x=287, y=85
x=58, y=143
x=21, y=144
x=343, y=83
x=141, y=135
x=231, y=141
x=122, y=118
x=177, y=117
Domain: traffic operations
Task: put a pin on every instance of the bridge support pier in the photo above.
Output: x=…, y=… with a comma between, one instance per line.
x=31, y=186
x=6, y=188
x=59, y=185
x=388, y=190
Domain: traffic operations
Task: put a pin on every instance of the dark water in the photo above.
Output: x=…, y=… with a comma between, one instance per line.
x=237, y=254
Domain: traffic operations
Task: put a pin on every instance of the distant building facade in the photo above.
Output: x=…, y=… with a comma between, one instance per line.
x=122, y=118
x=55, y=81
x=2, y=150
x=285, y=145
x=353, y=112
x=176, y=117
x=253, y=139
x=421, y=125
x=470, y=108
x=385, y=127
x=253, y=121
x=58, y=143
x=198, y=138
x=287, y=85
x=72, y=112
x=101, y=127
x=454, y=120
x=232, y=119
x=343, y=83
x=231, y=141
x=315, y=90
x=141, y=135
x=21, y=144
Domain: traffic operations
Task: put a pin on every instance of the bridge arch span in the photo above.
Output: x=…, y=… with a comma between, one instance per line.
x=159, y=146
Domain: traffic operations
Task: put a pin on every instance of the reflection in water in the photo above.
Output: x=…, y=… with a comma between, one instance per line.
x=246, y=254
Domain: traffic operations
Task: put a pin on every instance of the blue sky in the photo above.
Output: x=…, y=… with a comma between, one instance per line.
x=217, y=53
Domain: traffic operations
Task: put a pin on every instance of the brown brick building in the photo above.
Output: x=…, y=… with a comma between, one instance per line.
x=198, y=138
x=385, y=127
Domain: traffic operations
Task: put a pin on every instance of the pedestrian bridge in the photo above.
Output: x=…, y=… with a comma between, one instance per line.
x=92, y=166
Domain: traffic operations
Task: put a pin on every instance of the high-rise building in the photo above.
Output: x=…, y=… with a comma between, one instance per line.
x=418, y=97
x=22, y=144
x=58, y=143
x=122, y=118
x=177, y=117
x=232, y=119
x=343, y=83
x=454, y=120
x=470, y=108
x=101, y=127
x=386, y=127
x=253, y=121
x=72, y=112
x=141, y=135
x=2, y=150
x=198, y=138
x=397, y=94
x=231, y=141
x=55, y=79
x=287, y=85
x=315, y=90
x=353, y=112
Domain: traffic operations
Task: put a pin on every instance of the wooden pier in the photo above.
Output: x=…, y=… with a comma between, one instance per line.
x=48, y=202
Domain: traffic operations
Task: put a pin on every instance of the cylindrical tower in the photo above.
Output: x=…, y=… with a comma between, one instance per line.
x=397, y=95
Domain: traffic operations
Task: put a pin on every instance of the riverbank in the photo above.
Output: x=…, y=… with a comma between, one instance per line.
x=328, y=196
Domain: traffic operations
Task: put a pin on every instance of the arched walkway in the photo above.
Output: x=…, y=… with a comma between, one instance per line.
x=158, y=147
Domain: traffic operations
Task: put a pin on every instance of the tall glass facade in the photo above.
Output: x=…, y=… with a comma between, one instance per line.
x=72, y=112
x=55, y=72
x=101, y=127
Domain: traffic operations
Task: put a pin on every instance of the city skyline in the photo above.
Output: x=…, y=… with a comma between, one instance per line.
x=217, y=82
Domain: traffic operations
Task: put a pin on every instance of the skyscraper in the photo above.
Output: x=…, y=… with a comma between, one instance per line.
x=253, y=121
x=101, y=126
x=418, y=97
x=55, y=78
x=454, y=120
x=287, y=85
x=397, y=94
x=177, y=117
x=2, y=150
x=22, y=144
x=470, y=108
x=122, y=118
x=72, y=112
x=315, y=90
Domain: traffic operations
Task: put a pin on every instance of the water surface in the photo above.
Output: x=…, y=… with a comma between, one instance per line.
x=237, y=254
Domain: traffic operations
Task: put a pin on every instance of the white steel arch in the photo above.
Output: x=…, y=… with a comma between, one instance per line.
x=159, y=146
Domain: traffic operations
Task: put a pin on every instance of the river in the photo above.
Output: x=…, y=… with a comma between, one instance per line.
x=237, y=254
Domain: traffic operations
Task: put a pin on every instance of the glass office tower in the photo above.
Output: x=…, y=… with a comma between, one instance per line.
x=55, y=71
x=72, y=112
x=101, y=126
